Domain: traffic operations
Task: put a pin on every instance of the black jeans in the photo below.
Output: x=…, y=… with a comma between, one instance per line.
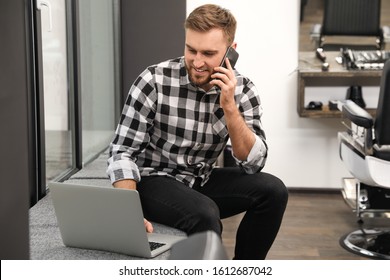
x=228, y=192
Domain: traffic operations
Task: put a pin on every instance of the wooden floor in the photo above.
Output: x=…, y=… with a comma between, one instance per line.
x=313, y=223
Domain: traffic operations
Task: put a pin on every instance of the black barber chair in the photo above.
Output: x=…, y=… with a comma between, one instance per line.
x=365, y=151
x=345, y=18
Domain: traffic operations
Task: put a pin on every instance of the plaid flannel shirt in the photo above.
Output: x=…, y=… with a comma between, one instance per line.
x=170, y=127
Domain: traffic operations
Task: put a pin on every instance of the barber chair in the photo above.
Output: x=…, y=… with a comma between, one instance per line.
x=365, y=151
x=345, y=18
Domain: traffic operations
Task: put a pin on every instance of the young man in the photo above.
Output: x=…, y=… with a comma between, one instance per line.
x=177, y=119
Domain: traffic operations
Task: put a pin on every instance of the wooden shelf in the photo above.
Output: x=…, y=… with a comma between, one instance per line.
x=326, y=113
x=311, y=74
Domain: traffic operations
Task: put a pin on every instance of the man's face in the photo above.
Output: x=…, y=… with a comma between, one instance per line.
x=203, y=51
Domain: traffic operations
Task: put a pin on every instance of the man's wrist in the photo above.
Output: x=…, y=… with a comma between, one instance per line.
x=230, y=109
x=126, y=184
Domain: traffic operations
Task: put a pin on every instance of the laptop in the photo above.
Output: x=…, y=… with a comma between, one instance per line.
x=107, y=219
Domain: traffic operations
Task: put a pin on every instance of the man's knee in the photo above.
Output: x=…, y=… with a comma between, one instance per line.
x=274, y=190
x=280, y=191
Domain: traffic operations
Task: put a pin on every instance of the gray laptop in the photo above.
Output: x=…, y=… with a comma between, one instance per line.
x=107, y=219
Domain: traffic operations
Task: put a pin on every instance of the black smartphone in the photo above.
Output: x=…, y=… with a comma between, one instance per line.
x=232, y=55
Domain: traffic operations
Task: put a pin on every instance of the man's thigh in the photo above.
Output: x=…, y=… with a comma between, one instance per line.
x=170, y=202
x=235, y=191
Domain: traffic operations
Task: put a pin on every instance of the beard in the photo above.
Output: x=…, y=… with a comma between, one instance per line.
x=198, y=79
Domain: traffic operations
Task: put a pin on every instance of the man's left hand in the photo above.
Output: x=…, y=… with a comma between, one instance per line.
x=225, y=79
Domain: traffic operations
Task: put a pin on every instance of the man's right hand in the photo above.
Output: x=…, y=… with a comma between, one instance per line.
x=132, y=185
x=148, y=226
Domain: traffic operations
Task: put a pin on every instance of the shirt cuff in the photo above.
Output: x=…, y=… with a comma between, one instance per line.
x=123, y=169
x=256, y=157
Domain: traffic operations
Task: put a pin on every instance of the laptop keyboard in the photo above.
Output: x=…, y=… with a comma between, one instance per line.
x=155, y=245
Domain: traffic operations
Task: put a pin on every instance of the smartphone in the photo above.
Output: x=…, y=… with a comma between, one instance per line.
x=232, y=55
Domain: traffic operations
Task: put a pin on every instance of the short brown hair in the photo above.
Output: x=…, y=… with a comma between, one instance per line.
x=209, y=16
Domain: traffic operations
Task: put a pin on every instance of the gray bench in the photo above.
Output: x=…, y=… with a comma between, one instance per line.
x=45, y=238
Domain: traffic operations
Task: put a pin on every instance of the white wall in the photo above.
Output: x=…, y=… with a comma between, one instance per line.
x=303, y=152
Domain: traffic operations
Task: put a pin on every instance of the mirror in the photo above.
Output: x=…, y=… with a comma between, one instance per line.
x=311, y=13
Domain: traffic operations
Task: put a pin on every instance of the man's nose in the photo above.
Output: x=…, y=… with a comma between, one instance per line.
x=198, y=61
